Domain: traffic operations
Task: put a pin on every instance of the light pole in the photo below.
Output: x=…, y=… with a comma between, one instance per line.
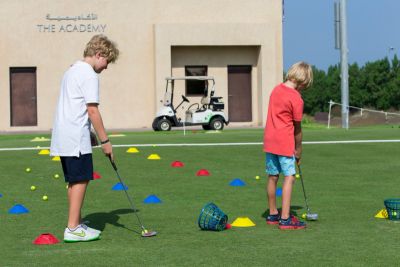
x=341, y=44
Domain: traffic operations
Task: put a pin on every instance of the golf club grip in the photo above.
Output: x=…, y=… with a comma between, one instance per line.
x=112, y=162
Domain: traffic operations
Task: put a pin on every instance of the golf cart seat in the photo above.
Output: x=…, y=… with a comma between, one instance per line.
x=167, y=99
x=205, y=101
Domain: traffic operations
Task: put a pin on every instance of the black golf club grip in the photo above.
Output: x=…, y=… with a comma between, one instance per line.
x=112, y=162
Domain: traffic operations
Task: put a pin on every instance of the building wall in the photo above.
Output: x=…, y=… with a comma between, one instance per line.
x=155, y=38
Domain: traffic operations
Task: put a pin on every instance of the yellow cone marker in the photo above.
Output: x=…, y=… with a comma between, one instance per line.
x=44, y=152
x=56, y=158
x=132, y=150
x=116, y=135
x=40, y=139
x=154, y=157
x=243, y=222
x=382, y=214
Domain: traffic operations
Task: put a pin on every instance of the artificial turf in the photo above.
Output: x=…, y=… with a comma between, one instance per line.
x=346, y=185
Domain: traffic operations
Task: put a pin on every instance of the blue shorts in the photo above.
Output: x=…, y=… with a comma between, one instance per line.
x=276, y=164
x=77, y=169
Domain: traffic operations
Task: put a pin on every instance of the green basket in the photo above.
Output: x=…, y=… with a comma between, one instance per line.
x=393, y=208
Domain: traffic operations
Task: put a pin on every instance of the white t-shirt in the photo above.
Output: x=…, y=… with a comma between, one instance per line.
x=71, y=129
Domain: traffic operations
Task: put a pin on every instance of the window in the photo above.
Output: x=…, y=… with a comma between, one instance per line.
x=195, y=87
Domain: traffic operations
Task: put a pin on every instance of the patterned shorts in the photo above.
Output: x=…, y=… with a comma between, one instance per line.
x=276, y=164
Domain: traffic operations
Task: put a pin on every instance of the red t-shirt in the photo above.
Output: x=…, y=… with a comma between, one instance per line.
x=285, y=107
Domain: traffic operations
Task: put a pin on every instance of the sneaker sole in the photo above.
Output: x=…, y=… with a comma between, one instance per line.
x=74, y=241
x=272, y=223
x=291, y=227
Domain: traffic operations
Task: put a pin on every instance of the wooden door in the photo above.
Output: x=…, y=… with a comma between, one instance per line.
x=239, y=93
x=23, y=96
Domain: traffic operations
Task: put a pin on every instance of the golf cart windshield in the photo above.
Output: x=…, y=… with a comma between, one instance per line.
x=193, y=78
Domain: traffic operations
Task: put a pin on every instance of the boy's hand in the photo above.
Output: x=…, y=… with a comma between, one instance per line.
x=107, y=150
x=297, y=155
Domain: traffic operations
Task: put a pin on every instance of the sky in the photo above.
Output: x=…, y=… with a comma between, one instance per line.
x=373, y=27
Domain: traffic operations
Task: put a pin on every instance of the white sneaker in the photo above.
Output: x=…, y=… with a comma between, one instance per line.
x=79, y=234
x=90, y=229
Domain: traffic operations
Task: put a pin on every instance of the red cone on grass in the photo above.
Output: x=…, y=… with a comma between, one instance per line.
x=46, y=239
x=228, y=226
x=203, y=172
x=177, y=164
x=96, y=175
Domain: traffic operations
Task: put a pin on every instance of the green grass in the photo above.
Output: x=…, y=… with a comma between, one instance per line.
x=346, y=186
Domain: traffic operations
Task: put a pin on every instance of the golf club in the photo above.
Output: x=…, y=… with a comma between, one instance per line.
x=309, y=216
x=145, y=233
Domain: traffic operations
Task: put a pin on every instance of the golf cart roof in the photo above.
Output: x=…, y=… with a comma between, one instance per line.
x=200, y=78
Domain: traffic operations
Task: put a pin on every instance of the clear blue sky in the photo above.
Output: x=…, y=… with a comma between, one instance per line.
x=308, y=31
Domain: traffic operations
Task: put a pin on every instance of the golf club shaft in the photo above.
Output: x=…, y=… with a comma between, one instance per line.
x=126, y=192
x=302, y=185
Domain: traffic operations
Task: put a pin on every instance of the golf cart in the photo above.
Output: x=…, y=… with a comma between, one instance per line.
x=208, y=113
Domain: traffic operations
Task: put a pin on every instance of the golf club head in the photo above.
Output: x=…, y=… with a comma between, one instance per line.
x=312, y=216
x=146, y=233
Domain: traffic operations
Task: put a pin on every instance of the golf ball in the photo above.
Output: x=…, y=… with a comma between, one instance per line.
x=33, y=188
x=45, y=198
x=28, y=169
x=297, y=176
x=257, y=177
x=304, y=215
x=56, y=176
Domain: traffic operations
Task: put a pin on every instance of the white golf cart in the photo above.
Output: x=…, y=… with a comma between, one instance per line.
x=208, y=113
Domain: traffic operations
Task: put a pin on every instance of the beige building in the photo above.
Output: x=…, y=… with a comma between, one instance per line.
x=237, y=42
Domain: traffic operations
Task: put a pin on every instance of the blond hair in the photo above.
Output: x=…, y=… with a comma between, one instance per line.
x=300, y=73
x=101, y=44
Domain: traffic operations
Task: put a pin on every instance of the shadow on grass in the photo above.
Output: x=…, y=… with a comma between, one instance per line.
x=99, y=220
x=293, y=211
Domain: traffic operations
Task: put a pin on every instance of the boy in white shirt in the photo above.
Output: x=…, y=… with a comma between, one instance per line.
x=77, y=110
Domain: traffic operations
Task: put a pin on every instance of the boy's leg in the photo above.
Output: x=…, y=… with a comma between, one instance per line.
x=76, y=196
x=271, y=193
x=288, y=221
x=273, y=170
x=289, y=170
x=287, y=195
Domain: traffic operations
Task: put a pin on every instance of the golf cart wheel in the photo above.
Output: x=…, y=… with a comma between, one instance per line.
x=164, y=125
x=154, y=125
x=217, y=124
x=206, y=127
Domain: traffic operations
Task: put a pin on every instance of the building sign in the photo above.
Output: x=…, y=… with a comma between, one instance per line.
x=81, y=23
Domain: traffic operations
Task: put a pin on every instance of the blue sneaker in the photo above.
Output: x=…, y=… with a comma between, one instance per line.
x=273, y=219
x=291, y=223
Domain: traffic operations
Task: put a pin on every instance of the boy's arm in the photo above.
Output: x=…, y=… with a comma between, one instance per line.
x=97, y=122
x=298, y=138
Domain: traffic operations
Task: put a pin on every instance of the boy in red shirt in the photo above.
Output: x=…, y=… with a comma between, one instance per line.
x=282, y=141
